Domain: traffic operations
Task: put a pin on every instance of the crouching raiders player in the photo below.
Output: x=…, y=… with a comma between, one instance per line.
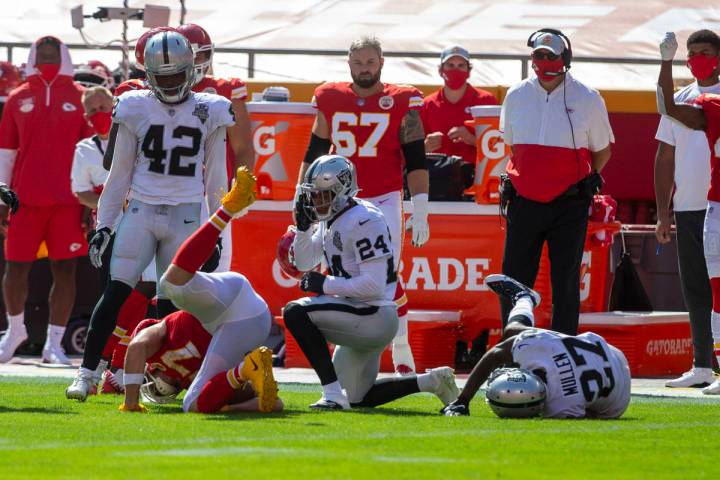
x=354, y=308
x=223, y=304
x=559, y=376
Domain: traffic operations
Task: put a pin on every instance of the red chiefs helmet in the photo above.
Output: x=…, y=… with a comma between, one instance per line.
x=140, y=45
x=94, y=73
x=285, y=255
x=200, y=42
x=9, y=78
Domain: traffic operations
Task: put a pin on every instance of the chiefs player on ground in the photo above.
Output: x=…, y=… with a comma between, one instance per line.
x=377, y=126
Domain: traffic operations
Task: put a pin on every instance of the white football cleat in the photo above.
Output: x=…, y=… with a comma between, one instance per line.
x=336, y=403
x=693, y=378
x=55, y=355
x=446, y=390
x=85, y=382
x=713, y=388
x=10, y=342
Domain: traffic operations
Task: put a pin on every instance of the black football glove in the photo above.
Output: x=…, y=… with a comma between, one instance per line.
x=312, y=282
x=9, y=198
x=211, y=264
x=98, y=244
x=455, y=410
x=302, y=218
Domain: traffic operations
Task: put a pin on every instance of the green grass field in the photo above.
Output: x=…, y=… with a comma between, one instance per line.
x=43, y=435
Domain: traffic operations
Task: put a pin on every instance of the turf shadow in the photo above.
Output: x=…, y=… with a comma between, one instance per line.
x=50, y=411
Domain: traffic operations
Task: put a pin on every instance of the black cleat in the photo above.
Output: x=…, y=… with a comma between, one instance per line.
x=510, y=288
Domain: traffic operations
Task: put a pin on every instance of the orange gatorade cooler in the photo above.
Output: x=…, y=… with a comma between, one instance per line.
x=492, y=154
x=280, y=132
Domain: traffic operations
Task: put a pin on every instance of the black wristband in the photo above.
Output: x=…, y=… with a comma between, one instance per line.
x=317, y=147
x=415, y=158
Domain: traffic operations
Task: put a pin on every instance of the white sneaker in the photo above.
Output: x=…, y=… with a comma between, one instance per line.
x=693, y=378
x=55, y=355
x=713, y=389
x=446, y=390
x=10, y=342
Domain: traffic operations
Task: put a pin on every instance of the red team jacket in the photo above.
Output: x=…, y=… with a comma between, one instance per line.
x=43, y=123
x=184, y=346
x=710, y=104
x=367, y=131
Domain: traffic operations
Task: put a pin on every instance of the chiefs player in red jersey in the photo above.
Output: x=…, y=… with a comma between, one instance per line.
x=377, y=126
x=704, y=60
x=172, y=351
x=202, y=347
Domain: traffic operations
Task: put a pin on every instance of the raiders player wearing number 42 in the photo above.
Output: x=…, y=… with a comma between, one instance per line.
x=354, y=307
x=168, y=147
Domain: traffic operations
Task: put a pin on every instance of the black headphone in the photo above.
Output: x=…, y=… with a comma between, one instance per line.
x=566, y=54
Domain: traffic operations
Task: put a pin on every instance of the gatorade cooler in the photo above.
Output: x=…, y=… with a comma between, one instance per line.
x=492, y=153
x=280, y=132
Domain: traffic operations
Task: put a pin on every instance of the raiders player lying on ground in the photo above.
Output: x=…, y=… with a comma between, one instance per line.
x=354, y=308
x=559, y=376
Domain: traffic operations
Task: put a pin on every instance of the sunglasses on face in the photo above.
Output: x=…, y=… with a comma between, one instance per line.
x=543, y=54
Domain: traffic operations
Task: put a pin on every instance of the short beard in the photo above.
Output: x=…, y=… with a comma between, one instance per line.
x=367, y=82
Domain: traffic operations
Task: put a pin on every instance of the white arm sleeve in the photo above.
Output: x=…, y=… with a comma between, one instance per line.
x=216, y=180
x=119, y=180
x=308, y=248
x=369, y=285
x=7, y=162
x=80, y=174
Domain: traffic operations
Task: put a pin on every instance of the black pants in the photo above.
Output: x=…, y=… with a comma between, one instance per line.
x=695, y=283
x=563, y=225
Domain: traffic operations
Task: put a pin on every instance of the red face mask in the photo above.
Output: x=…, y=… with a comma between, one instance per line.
x=101, y=122
x=455, y=79
x=548, y=70
x=48, y=71
x=701, y=66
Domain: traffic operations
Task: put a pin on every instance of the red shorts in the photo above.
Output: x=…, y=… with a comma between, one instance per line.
x=58, y=225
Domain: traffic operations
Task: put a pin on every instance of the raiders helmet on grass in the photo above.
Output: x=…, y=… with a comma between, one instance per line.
x=515, y=393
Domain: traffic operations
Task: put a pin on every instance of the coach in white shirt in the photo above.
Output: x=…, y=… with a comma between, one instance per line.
x=560, y=136
x=683, y=161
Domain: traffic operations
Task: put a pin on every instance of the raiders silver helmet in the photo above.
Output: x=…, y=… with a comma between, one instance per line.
x=515, y=393
x=329, y=184
x=169, y=66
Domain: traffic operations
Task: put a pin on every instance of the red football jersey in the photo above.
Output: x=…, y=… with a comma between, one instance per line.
x=130, y=85
x=231, y=88
x=710, y=104
x=440, y=115
x=184, y=348
x=367, y=131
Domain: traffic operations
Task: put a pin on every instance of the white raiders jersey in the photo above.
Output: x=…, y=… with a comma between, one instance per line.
x=171, y=146
x=584, y=375
x=358, y=235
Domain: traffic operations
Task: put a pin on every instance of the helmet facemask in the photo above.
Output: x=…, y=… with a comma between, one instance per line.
x=203, y=62
x=329, y=185
x=157, y=390
x=169, y=67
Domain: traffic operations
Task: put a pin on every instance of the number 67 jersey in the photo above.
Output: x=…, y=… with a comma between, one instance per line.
x=174, y=145
x=584, y=375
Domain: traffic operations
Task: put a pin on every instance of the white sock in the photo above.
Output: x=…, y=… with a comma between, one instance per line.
x=715, y=328
x=332, y=390
x=523, y=306
x=54, y=336
x=16, y=323
x=427, y=382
